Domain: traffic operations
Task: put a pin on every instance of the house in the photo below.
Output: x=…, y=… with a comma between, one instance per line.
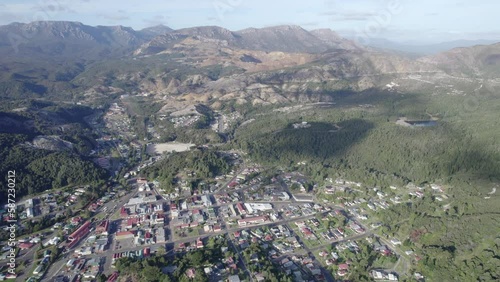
x=29, y=212
x=123, y=212
x=252, y=220
x=191, y=273
x=207, y=202
x=240, y=208
x=343, y=266
x=103, y=227
x=233, y=278
x=395, y=241
x=25, y=246
x=199, y=244
x=132, y=222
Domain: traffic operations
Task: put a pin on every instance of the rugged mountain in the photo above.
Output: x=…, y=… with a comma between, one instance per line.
x=333, y=40
x=159, y=44
x=281, y=38
x=477, y=61
x=418, y=50
x=72, y=61
x=153, y=31
x=211, y=32
x=66, y=39
x=43, y=57
x=290, y=39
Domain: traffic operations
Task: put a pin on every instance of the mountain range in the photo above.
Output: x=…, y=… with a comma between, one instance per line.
x=76, y=62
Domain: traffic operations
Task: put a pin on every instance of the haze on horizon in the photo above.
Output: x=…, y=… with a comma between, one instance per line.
x=396, y=20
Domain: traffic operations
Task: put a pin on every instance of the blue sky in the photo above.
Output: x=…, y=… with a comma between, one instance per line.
x=400, y=20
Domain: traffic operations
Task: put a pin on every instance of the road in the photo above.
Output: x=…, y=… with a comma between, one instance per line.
x=402, y=257
x=171, y=244
x=328, y=276
x=57, y=266
x=240, y=258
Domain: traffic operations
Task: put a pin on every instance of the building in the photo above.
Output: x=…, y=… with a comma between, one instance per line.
x=240, y=208
x=29, y=212
x=80, y=232
x=124, y=235
x=123, y=212
x=284, y=196
x=160, y=235
x=103, y=227
x=207, y=202
x=252, y=220
x=303, y=198
x=253, y=207
x=233, y=278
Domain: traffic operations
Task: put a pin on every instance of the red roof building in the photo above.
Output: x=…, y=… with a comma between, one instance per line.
x=123, y=212
x=76, y=220
x=240, y=208
x=103, y=227
x=343, y=266
x=131, y=222
x=80, y=232
x=199, y=244
x=25, y=246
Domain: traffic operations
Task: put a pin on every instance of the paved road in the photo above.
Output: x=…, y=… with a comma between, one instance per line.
x=57, y=266
x=240, y=258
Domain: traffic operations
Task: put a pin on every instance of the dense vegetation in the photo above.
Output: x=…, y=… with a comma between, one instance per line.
x=460, y=241
x=150, y=269
x=270, y=270
x=203, y=163
x=346, y=140
x=39, y=169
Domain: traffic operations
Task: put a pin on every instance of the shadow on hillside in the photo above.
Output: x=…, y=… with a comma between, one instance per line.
x=318, y=141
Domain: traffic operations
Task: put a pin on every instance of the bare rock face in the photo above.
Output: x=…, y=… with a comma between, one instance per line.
x=213, y=65
x=52, y=143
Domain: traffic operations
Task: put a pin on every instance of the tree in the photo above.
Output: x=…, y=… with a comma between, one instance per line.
x=102, y=278
x=161, y=251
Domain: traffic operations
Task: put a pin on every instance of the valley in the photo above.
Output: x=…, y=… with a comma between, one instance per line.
x=273, y=154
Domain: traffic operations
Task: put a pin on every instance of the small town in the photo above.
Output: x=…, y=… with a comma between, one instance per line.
x=252, y=141
x=304, y=234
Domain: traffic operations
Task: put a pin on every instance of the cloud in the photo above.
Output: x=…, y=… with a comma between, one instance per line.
x=348, y=16
x=115, y=17
x=121, y=15
x=53, y=8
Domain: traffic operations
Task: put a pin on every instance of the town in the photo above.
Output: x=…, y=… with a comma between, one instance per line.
x=309, y=231
x=307, y=238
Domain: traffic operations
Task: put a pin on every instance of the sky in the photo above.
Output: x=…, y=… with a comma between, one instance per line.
x=423, y=21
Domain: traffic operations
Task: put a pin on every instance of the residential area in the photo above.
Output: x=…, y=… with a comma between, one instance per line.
x=306, y=230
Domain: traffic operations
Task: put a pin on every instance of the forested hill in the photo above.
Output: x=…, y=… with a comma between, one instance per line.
x=57, y=162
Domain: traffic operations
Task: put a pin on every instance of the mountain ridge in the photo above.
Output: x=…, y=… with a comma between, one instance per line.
x=211, y=63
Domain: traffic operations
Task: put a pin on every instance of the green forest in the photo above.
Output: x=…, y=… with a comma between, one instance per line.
x=203, y=163
x=36, y=169
x=365, y=144
x=39, y=170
